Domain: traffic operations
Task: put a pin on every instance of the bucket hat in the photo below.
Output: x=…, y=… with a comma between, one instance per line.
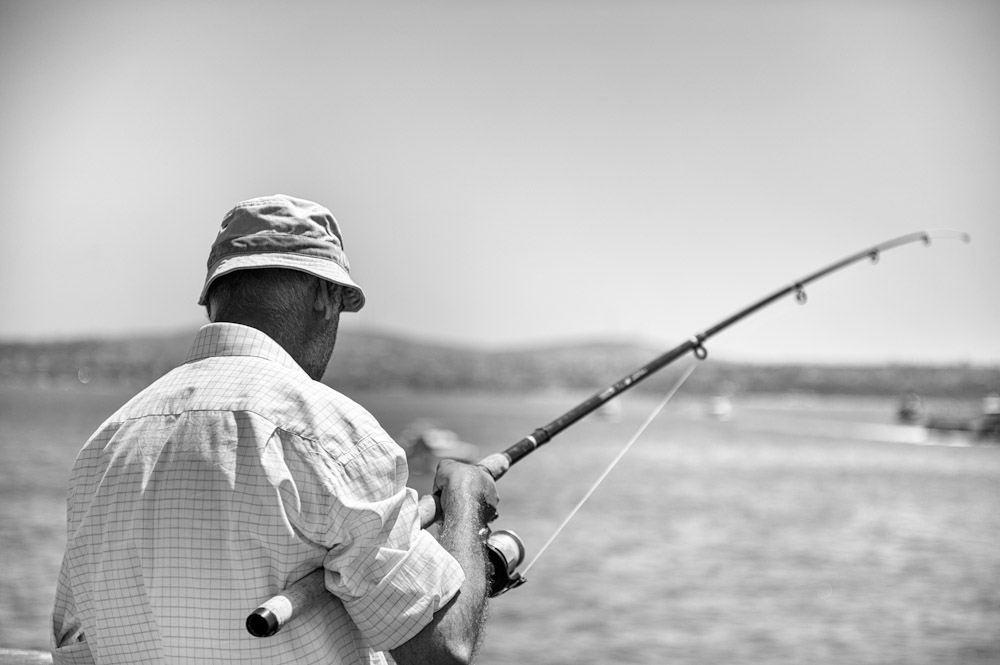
x=282, y=232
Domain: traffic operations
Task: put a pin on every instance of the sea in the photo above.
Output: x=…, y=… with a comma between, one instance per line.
x=779, y=529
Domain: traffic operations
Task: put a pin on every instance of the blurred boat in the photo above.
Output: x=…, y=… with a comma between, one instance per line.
x=24, y=657
x=426, y=443
x=720, y=407
x=983, y=425
x=911, y=408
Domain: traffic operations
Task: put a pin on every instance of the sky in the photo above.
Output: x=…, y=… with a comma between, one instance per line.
x=512, y=174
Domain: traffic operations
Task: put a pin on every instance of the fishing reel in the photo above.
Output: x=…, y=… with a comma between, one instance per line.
x=505, y=551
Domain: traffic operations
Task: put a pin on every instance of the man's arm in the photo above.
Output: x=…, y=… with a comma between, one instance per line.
x=468, y=502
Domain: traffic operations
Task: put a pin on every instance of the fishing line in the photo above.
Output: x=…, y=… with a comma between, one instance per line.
x=642, y=428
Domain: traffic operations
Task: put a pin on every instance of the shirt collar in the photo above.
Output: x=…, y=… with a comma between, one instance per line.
x=233, y=339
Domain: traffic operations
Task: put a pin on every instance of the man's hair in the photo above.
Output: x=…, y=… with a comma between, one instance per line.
x=275, y=295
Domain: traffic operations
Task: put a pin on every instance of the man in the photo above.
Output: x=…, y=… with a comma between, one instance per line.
x=238, y=473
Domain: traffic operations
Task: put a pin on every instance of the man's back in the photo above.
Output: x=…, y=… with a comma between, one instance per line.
x=217, y=486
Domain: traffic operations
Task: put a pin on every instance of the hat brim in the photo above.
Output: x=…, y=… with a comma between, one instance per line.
x=354, y=297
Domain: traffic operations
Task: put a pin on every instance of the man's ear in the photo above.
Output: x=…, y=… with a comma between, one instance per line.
x=329, y=299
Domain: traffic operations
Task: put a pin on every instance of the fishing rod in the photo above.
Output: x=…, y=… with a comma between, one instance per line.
x=504, y=548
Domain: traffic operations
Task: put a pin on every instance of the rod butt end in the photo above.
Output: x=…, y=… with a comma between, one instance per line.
x=262, y=622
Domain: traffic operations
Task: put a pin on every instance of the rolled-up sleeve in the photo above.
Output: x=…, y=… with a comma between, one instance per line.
x=424, y=578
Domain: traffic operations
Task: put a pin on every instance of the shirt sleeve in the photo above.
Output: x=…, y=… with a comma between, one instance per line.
x=391, y=575
x=420, y=578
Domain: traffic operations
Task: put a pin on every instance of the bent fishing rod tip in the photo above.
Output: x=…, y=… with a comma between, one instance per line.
x=946, y=233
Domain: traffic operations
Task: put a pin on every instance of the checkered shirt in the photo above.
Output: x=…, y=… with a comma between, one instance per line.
x=215, y=488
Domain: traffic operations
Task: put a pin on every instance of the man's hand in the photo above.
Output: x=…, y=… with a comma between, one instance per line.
x=463, y=485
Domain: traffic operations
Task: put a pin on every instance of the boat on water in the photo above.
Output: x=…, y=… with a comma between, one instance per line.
x=426, y=443
x=984, y=424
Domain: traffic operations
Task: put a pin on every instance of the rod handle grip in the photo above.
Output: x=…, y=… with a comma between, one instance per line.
x=279, y=609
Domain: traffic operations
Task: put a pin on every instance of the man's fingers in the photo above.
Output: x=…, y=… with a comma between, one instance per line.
x=496, y=465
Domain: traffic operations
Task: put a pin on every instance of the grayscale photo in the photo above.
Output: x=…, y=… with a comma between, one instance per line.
x=507, y=333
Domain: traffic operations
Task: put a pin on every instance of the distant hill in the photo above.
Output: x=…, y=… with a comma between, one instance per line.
x=371, y=360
